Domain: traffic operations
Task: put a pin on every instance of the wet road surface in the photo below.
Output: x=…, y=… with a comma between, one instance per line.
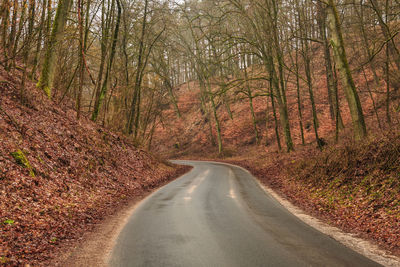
x=218, y=215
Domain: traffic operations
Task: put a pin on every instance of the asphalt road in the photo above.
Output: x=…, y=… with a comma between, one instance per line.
x=218, y=215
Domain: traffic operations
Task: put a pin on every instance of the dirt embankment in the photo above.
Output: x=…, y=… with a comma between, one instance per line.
x=60, y=176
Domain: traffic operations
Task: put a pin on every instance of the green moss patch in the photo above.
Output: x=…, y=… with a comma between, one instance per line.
x=21, y=160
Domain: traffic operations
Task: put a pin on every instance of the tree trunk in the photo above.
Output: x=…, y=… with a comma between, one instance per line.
x=217, y=123
x=103, y=90
x=299, y=99
x=105, y=30
x=278, y=139
x=331, y=85
x=279, y=83
x=307, y=68
x=18, y=33
x=81, y=59
x=253, y=116
x=46, y=79
x=266, y=122
x=173, y=98
x=27, y=45
x=5, y=22
x=387, y=72
x=39, y=41
x=138, y=79
x=372, y=99
x=349, y=87
x=11, y=37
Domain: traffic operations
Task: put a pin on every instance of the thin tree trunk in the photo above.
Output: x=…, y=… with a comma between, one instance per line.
x=138, y=79
x=173, y=98
x=266, y=122
x=148, y=115
x=81, y=59
x=47, y=75
x=372, y=99
x=11, y=38
x=19, y=32
x=307, y=68
x=278, y=140
x=103, y=45
x=151, y=133
x=328, y=68
x=280, y=90
x=206, y=112
x=387, y=72
x=299, y=100
x=5, y=22
x=217, y=123
x=32, y=6
x=253, y=116
x=103, y=90
x=39, y=41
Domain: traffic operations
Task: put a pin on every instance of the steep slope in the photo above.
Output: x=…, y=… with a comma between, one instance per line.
x=190, y=134
x=59, y=176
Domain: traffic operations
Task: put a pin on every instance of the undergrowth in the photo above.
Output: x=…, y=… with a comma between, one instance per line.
x=373, y=164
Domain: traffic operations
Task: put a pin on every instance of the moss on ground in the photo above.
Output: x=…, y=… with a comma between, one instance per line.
x=22, y=160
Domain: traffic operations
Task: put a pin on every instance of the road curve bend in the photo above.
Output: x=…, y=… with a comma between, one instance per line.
x=218, y=215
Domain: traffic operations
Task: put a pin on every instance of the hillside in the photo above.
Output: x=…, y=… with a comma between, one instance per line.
x=352, y=185
x=60, y=176
x=189, y=135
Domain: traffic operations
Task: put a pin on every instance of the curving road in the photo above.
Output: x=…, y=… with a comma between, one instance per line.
x=218, y=215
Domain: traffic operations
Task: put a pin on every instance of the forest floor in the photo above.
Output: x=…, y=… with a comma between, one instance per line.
x=59, y=176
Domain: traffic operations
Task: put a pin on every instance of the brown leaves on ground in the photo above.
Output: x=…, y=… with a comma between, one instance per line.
x=81, y=173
